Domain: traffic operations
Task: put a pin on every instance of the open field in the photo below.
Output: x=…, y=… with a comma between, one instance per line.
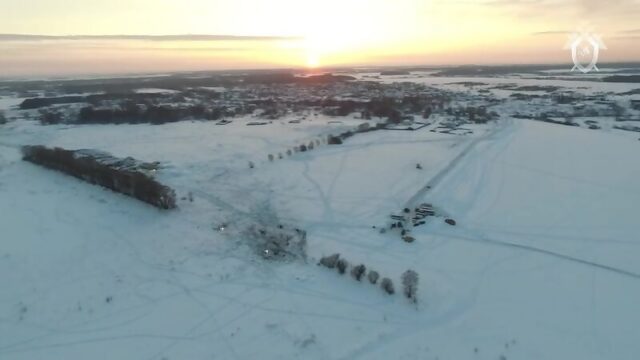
x=542, y=262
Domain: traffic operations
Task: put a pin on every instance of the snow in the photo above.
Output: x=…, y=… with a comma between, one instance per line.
x=7, y=103
x=542, y=264
x=456, y=83
x=591, y=177
x=155, y=91
x=214, y=88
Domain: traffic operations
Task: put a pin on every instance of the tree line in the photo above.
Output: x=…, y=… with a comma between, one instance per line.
x=105, y=170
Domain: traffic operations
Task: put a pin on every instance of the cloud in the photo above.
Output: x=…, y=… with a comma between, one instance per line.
x=554, y=32
x=634, y=31
x=617, y=9
x=186, y=37
x=620, y=5
x=627, y=38
x=511, y=2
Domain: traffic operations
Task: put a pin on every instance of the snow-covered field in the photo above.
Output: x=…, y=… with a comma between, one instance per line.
x=541, y=265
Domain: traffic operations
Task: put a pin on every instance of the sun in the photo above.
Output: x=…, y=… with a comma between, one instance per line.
x=347, y=36
x=313, y=61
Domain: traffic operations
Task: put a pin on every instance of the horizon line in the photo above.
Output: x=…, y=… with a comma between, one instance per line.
x=139, y=37
x=328, y=69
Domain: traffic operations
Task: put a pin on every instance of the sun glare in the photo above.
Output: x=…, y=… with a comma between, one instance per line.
x=313, y=61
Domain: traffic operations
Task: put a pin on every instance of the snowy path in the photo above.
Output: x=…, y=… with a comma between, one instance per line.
x=500, y=127
x=484, y=239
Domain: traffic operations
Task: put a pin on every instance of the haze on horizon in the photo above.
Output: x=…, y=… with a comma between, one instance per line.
x=64, y=37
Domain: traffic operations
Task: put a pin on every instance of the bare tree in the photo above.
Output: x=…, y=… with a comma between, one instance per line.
x=342, y=266
x=373, y=276
x=330, y=261
x=618, y=111
x=387, y=286
x=410, y=284
x=358, y=271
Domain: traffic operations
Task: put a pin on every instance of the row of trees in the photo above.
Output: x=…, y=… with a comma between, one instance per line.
x=359, y=272
x=299, y=148
x=391, y=108
x=132, y=113
x=104, y=170
x=473, y=114
x=330, y=139
x=99, y=99
x=313, y=144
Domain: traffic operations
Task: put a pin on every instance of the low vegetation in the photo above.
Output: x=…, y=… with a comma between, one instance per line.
x=278, y=242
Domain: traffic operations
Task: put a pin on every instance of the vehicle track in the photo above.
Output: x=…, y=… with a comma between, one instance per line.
x=487, y=240
x=435, y=180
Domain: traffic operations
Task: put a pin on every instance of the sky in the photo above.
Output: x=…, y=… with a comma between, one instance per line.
x=67, y=37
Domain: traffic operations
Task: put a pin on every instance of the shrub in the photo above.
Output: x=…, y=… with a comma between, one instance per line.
x=408, y=238
x=373, y=276
x=387, y=285
x=36, y=103
x=427, y=113
x=358, y=271
x=345, y=135
x=410, y=284
x=270, y=157
x=342, y=266
x=330, y=261
x=49, y=117
x=251, y=165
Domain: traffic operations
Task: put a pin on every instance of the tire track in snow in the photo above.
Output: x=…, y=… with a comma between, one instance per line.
x=487, y=240
x=328, y=210
x=435, y=180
